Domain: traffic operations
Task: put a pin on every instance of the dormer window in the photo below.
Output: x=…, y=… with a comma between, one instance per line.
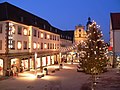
x=44, y=26
x=21, y=19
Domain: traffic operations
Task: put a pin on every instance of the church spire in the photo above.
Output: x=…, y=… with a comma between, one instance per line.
x=88, y=23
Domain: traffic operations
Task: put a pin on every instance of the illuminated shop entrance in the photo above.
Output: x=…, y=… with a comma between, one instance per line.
x=15, y=62
x=52, y=59
x=24, y=65
x=1, y=67
x=48, y=60
x=43, y=61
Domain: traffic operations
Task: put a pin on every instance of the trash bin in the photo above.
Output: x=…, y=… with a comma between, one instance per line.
x=46, y=71
x=61, y=66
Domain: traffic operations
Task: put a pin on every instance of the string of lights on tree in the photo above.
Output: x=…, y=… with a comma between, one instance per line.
x=93, y=53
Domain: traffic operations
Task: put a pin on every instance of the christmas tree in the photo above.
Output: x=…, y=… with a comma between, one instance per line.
x=93, y=58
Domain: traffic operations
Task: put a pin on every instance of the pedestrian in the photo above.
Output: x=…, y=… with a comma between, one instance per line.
x=7, y=72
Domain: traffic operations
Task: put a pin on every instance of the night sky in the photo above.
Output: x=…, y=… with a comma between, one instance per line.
x=66, y=14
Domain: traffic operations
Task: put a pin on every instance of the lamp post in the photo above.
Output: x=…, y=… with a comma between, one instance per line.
x=35, y=63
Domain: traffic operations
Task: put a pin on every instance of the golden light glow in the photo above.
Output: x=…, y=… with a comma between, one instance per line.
x=41, y=35
x=25, y=32
x=38, y=45
x=48, y=36
x=19, y=45
x=34, y=45
x=45, y=45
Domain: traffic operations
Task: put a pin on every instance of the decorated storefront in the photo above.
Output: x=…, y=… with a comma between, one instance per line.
x=52, y=59
x=43, y=61
x=1, y=67
x=48, y=60
x=24, y=64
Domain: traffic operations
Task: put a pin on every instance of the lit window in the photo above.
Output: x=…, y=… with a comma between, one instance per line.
x=34, y=46
x=25, y=31
x=19, y=44
x=38, y=46
x=41, y=35
x=48, y=36
x=45, y=45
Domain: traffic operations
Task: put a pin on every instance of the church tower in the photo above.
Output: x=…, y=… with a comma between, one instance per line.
x=79, y=33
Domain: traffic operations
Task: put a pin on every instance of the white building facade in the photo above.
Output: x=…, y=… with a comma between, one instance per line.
x=24, y=35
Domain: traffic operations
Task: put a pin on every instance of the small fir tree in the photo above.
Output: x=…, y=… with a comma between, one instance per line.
x=93, y=58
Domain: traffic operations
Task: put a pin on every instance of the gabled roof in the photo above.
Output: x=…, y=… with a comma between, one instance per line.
x=115, y=21
x=16, y=14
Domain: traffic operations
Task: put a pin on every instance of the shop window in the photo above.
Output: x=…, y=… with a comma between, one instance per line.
x=13, y=45
x=0, y=44
x=19, y=30
x=0, y=28
x=25, y=45
x=19, y=45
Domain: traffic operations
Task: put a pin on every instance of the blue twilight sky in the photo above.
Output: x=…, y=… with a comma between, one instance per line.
x=66, y=14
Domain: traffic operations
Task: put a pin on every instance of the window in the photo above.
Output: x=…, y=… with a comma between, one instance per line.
x=38, y=34
x=34, y=45
x=19, y=30
x=35, y=32
x=41, y=35
x=45, y=45
x=25, y=44
x=25, y=31
x=41, y=45
x=50, y=37
x=57, y=46
x=0, y=28
x=79, y=30
x=55, y=37
x=45, y=36
x=13, y=45
x=21, y=19
x=19, y=45
x=44, y=26
x=79, y=35
x=48, y=45
x=38, y=45
x=0, y=44
x=58, y=38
